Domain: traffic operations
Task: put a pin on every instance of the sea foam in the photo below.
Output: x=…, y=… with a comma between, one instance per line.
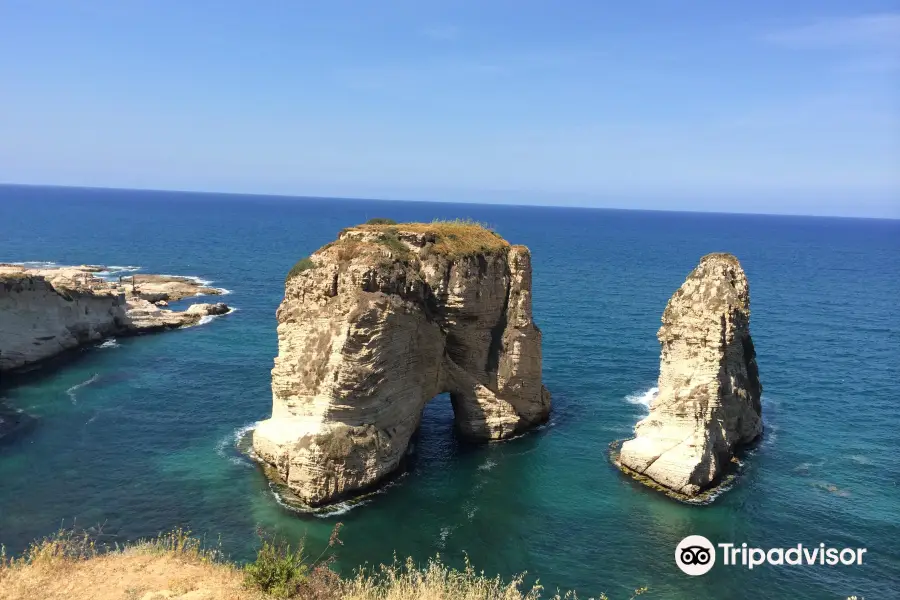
x=233, y=441
x=644, y=398
x=71, y=392
x=206, y=319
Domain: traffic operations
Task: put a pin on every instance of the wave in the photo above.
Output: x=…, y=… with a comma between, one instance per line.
x=71, y=392
x=487, y=465
x=233, y=440
x=770, y=434
x=109, y=343
x=445, y=533
x=644, y=398
x=194, y=278
x=338, y=509
x=36, y=264
x=206, y=319
x=112, y=271
x=332, y=510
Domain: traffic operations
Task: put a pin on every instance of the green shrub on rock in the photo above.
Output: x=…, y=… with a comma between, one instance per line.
x=302, y=265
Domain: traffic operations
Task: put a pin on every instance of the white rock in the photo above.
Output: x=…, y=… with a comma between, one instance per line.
x=709, y=391
x=375, y=331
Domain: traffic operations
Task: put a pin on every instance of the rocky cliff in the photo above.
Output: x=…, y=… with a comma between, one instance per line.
x=46, y=311
x=709, y=392
x=378, y=323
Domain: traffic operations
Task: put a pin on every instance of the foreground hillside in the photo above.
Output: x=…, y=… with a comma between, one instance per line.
x=175, y=566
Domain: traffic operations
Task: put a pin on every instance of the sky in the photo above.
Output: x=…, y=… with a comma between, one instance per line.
x=780, y=107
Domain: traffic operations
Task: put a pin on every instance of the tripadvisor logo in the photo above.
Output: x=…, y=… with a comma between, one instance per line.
x=696, y=555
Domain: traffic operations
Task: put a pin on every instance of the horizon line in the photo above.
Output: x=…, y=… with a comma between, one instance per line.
x=422, y=201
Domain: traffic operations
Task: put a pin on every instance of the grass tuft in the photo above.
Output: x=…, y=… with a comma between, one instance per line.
x=302, y=265
x=278, y=570
x=381, y=221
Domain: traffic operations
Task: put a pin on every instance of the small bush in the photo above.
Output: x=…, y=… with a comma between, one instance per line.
x=278, y=570
x=302, y=265
x=393, y=242
x=349, y=250
x=381, y=221
x=336, y=445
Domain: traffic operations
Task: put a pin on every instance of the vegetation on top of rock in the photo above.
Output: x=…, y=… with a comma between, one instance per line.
x=302, y=265
x=453, y=238
x=727, y=256
x=392, y=241
x=380, y=221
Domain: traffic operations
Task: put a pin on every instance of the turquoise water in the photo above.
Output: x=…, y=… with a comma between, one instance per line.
x=138, y=436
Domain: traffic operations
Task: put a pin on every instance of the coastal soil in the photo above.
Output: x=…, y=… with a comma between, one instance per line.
x=129, y=576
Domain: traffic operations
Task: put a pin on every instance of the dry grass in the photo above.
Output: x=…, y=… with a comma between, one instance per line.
x=459, y=237
x=69, y=566
x=437, y=581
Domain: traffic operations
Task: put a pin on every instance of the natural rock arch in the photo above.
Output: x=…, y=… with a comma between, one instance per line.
x=387, y=318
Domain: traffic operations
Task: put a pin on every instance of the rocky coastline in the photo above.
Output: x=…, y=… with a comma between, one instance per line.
x=47, y=311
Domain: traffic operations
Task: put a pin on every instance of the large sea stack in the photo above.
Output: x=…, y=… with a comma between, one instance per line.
x=375, y=325
x=708, y=403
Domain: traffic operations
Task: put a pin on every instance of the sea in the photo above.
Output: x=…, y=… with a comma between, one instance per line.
x=133, y=437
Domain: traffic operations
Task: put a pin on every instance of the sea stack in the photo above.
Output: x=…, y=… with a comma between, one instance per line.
x=708, y=403
x=375, y=325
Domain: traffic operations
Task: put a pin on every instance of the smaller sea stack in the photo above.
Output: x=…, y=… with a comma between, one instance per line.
x=708, y=404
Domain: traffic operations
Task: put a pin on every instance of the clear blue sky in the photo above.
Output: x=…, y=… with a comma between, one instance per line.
x=788, y=106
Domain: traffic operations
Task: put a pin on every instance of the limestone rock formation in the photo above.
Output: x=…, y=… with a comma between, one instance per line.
x=161, y=289
x=379, y=323
x=145, y=316
x=708, y=403
x=46, y=311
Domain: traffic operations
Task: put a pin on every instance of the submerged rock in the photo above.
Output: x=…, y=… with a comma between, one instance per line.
x=375, y=325
x=44, y=312
x=709, y=391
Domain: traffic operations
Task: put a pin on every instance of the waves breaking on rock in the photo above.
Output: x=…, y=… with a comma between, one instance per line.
x=234, y=447
x=207, y=319
x=644, y=398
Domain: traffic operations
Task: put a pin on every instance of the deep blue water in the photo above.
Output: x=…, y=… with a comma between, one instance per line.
x=146, y=443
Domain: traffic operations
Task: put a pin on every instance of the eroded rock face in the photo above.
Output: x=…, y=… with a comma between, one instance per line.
x=709, y=391
x=387, y=319
x=46, y=311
